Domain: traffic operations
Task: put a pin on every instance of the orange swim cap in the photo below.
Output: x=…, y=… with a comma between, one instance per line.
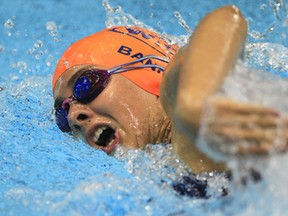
x=118, y=45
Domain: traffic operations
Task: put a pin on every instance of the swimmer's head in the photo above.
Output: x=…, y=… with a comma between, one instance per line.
x=118, y=45
x=124, y=109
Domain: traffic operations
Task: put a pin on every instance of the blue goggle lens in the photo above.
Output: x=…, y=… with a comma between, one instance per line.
x=82, y=88
x=61, y=119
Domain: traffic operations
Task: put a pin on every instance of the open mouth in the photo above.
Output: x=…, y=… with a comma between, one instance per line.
x=104, y=136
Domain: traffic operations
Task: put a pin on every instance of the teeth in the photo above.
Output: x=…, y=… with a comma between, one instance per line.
x=98, y=132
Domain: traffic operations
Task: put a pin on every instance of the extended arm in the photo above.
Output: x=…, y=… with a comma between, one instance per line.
x=194, y=75
x=197, y=72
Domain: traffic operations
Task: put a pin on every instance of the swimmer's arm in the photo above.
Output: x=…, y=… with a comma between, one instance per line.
x=211, y=53
x=196, y=72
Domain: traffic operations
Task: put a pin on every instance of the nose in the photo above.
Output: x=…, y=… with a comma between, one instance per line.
x=79, y=116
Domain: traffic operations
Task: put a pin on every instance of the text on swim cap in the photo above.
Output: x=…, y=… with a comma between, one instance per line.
x=125, y=50
x=142, y=36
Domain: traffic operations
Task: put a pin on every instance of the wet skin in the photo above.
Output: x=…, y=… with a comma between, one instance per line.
x=134, y=116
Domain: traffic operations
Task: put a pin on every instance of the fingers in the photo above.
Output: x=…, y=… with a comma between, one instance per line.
x=244, y=129
x=235, y=133
x=245, y=120
x=225, y=106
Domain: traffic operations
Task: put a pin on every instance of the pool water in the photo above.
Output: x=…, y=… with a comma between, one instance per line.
x=46, y=172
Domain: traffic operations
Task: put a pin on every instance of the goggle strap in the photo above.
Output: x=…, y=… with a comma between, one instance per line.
x=138, y=67
x=121, y=68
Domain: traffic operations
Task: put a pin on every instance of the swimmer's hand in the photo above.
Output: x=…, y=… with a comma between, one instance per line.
x=232, y=128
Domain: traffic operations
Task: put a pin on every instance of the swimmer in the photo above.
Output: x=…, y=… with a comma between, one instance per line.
x=127, y=86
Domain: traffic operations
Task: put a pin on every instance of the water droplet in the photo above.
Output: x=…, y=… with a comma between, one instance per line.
x=66, y=64
x=30, y=50
x=2, y=48
x=38, y=44
x=21, y=65
x=182, y=22
x=263, y=6
x=117, y=9
x=51, y=26
x=9, y=24
x=50, y=57
x=53, y=33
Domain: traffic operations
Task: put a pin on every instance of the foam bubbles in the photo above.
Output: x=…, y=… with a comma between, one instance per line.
x=115, y=16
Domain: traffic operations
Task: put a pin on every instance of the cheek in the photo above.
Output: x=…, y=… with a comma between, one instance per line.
x=128, y=111
x=130, y=114
x=134, y=123
x=128, y=106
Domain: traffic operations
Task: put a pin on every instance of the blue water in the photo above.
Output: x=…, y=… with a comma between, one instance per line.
x=45, y=172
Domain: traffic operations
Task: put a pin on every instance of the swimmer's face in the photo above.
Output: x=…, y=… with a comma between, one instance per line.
x=122, y=114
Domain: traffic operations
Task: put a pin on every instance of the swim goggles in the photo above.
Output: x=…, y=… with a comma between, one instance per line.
x=92, y=82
